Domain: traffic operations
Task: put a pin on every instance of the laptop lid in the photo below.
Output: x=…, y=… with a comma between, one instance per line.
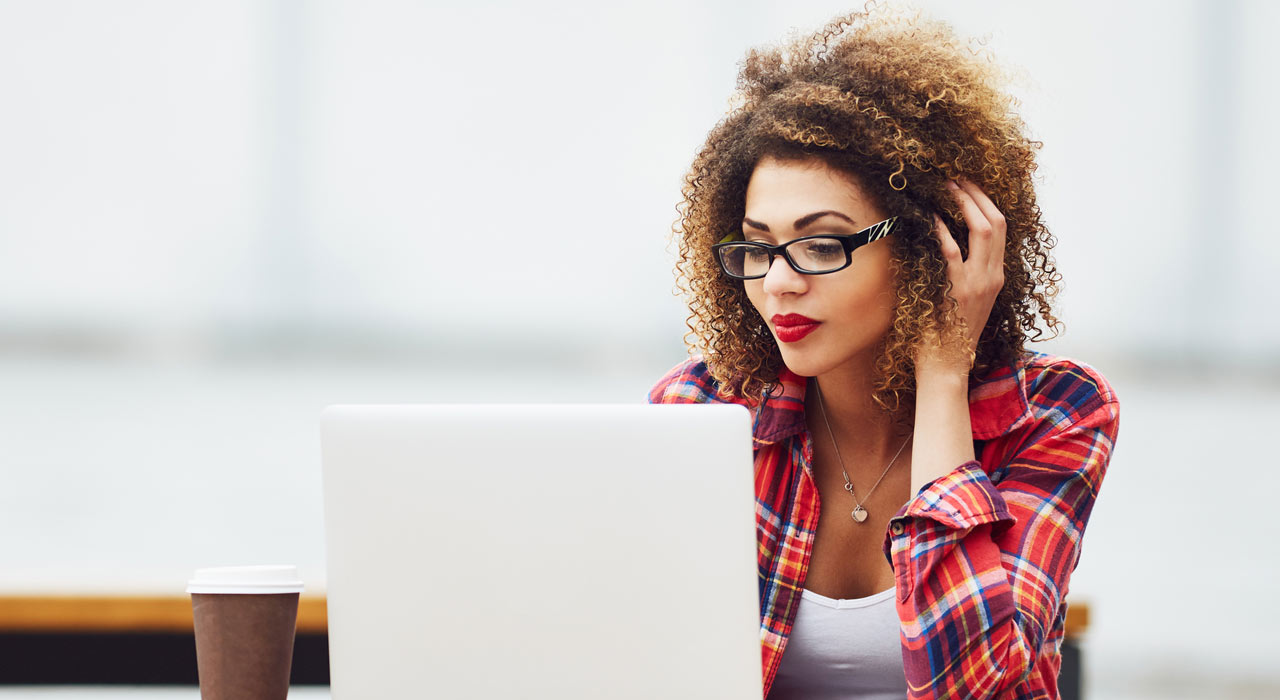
x=541, y=551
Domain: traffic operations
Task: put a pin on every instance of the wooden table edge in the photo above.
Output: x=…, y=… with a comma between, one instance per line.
x=127, y=614
x=172, y=614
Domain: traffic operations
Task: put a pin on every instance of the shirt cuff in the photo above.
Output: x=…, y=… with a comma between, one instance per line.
x=961, y=499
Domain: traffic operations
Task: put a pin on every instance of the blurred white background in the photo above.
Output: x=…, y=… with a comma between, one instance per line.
x=218, y=217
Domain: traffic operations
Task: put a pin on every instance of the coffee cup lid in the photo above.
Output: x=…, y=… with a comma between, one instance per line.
x=246, y=580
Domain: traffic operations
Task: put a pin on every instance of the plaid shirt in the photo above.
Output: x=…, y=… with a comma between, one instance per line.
x=981, y=556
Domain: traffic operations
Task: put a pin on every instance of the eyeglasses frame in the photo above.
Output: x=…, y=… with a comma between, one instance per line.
x=849, y=241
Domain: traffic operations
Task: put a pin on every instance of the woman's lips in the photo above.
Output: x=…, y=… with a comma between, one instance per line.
x=793, y=327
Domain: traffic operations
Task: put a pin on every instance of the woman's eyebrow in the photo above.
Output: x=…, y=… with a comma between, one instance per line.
x=802, y=221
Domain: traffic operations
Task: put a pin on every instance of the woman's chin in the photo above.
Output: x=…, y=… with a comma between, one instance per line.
x=815, y=362
x=803, y=364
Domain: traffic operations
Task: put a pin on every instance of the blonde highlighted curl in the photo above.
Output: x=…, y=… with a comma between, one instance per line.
x=901, y=104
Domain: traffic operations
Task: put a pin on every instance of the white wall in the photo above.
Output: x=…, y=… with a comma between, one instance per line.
x=205, y=166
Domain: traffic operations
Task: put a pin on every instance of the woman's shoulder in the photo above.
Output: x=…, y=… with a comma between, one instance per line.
x=689, y=382
x=1064, y=388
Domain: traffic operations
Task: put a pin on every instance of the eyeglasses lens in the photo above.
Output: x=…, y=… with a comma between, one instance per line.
x=811, y=255
x=744, y=260
x=818, y=254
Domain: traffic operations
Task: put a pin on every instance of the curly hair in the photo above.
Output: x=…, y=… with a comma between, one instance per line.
x=903, y=106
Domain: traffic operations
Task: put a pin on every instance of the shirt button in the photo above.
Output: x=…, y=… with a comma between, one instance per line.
x=895, y=528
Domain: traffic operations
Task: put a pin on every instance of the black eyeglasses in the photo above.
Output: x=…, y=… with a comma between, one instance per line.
x=808, y=255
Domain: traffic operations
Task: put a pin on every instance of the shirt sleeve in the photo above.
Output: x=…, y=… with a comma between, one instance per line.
x=688, y=382
x=981, y=568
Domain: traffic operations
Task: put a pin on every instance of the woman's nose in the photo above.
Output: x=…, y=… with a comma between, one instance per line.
x=781, y=279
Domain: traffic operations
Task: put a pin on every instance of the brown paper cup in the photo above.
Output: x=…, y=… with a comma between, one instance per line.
x=244, y=640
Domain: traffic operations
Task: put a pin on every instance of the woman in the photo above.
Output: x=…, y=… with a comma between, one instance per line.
x=864, y=261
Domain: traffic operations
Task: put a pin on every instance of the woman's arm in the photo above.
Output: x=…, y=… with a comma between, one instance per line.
x=943, y=435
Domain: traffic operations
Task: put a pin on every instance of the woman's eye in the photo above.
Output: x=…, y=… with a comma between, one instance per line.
x=825, y=250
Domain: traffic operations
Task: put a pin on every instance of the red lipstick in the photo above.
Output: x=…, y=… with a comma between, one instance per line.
x=792, y=327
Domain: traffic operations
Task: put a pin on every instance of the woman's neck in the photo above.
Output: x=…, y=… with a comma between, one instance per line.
x=863, y=429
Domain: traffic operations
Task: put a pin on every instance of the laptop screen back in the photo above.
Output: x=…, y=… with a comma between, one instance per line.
x=541, y=551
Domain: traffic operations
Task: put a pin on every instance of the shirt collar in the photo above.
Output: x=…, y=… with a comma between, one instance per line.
x=998, y=405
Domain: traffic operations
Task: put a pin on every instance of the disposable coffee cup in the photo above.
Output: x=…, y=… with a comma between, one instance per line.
x=245, y=619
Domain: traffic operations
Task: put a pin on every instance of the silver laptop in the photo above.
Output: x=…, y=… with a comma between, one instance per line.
x=541, y=551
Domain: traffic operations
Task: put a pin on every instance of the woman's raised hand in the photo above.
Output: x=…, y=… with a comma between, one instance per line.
x=975, y=282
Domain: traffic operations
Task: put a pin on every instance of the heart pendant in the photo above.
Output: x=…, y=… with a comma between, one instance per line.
x=859, y=514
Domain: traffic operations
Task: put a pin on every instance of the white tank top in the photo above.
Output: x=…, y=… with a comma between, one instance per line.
x=842, y=649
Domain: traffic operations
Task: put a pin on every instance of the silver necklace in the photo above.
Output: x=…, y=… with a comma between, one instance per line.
x=859, y=513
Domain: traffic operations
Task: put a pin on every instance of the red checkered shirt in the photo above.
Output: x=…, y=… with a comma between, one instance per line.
x=981, y=557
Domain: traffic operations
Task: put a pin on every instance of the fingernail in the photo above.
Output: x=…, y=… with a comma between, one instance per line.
x=952, y=184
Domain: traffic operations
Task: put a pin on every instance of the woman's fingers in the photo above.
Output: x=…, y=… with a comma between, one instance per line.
x=976, y=221
x=991, y=231
x=950, y=249
x=976, y=281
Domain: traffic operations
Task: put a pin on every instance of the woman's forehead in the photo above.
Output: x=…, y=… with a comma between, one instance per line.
x=785, y=193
